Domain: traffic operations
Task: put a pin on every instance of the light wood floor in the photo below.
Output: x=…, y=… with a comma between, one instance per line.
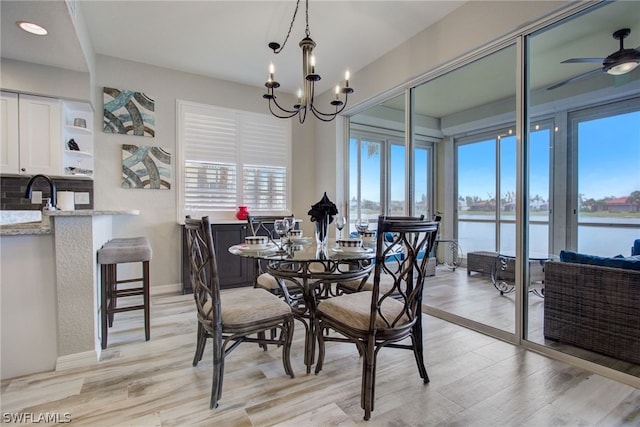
x=474, y=297
x=475, y=381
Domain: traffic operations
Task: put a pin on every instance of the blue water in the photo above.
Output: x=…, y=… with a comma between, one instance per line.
x=605, y=240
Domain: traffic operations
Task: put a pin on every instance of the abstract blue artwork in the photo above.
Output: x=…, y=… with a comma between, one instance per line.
x=128, y=112
x=146, y=167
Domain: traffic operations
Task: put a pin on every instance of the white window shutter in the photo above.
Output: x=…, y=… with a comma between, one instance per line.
x=232, y=158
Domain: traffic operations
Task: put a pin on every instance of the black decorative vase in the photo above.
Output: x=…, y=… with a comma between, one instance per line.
x=322, y=230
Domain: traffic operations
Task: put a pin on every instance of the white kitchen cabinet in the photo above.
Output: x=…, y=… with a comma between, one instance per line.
x=31, y=138
x=77, y=159
x=39, y=124
x=35, y=134
x=9, y=154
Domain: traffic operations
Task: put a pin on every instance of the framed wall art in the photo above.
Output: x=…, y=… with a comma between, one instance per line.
x=128, y=112
x=146, y=167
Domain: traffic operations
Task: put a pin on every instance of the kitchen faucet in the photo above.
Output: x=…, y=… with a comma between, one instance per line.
x=52, y=187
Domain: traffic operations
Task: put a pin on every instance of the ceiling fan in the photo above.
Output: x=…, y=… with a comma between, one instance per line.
x=619, y=62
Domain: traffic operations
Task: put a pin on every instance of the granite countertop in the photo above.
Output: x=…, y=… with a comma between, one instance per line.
x=25, y=228
x=92, y=212
x=43, y=227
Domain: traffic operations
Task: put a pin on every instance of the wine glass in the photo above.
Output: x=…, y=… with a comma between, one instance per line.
x=289, y=223
x=280, y=227
x=340, y=222
x=362, y=225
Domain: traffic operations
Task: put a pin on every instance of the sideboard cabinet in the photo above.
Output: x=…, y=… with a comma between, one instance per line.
x=233, y=271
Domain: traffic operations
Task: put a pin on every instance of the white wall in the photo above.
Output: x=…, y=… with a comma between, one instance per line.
x=463, y=30
x=36, y=79
x=157, y=219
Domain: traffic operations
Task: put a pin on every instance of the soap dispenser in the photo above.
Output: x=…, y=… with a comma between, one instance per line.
x=48, y=207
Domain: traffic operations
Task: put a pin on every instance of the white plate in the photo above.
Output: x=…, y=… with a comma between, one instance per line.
x=257, y=248
x=352, y=250
x=300, y=240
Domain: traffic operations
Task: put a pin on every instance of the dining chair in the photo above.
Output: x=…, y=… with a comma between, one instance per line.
x=382, y=318
x=231, y=317
x=386, y=282
x=263, y=226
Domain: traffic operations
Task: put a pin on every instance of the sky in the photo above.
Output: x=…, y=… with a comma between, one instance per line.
x=608, y=163
x=608, y=160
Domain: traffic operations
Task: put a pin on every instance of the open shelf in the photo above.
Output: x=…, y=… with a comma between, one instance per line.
x=78, y=129
x=77, y=160
x=78, y=153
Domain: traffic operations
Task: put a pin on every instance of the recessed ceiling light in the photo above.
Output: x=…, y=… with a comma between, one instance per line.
x=32, y=28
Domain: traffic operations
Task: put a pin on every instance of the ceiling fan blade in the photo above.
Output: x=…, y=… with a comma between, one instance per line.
x=578, y=77
x=622, y=79
x=574, y=60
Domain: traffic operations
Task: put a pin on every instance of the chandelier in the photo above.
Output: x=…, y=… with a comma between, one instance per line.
x=309, y=78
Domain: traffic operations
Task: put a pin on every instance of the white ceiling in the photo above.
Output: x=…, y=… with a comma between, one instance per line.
x=228, y=39
x=221, y=39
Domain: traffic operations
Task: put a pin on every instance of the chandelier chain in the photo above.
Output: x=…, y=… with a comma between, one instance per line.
x=306, y=18
x=293, y=19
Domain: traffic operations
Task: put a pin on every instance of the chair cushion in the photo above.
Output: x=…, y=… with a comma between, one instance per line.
x=245, y=306
x=354, y=310
x=317, y=267
x=268, y=282
x=386, y=283
x=124, y=250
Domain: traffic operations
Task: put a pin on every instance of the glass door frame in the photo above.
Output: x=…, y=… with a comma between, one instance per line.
x=519, y=38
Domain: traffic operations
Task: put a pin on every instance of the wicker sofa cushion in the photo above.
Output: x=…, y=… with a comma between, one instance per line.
x=631, y=263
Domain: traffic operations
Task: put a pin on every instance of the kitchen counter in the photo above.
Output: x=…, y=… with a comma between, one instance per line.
x=93, y=212
x=39, y=227
x=25, y=228
x=64, y=256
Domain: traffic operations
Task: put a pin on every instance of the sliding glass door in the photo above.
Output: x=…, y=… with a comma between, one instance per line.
x=516, y=175
x=585, y=124
x=476, y=165
x=477, y=179
x=606, y=141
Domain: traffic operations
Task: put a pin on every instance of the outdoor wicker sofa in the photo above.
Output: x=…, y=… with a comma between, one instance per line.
x=593, y=307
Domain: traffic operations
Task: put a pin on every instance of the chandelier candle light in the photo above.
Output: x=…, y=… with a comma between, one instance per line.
x=307, y=92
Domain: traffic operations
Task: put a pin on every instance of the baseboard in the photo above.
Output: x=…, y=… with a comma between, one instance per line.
x=77, y=360
x=173, y=288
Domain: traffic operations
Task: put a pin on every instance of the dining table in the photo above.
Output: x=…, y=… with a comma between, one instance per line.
x=308, y=272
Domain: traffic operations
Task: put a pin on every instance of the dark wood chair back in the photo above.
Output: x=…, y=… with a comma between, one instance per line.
x=204, y=272
x=416, y=237
x=262, y=225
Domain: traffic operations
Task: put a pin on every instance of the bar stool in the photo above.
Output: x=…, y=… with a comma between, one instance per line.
x=121, y=251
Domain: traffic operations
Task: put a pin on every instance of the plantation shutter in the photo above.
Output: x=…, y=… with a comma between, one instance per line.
x=265, y=156
x=232, y=158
